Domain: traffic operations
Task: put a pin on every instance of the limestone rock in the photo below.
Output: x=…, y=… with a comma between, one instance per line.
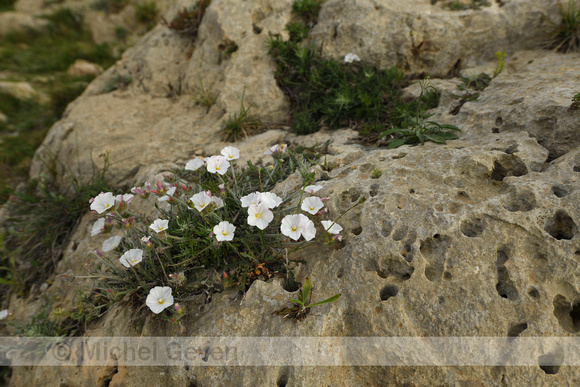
x=82, y=67
x=17, y=21
x=20, y=90
x=479, y=237
x=423, y=38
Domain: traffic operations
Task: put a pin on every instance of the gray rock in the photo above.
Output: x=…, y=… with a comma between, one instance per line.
x=423, y=38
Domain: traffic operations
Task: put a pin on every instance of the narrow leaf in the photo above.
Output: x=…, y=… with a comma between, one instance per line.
x=328, y=300
x=396, y=143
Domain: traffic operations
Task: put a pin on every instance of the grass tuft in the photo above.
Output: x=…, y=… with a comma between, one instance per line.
x=565, y=36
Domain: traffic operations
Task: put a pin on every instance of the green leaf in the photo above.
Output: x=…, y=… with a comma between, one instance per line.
x=306, y=290
x=448, y=135
x=435, y=138
x=299, y=302
x=328, y=300
x=421, y=138
x=396, y=143
x=390, y=131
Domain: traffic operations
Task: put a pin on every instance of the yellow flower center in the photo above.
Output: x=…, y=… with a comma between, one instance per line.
x=258, y=215
x=311, y=208
x=107, y=205
x=161, y=301
x=217, y=167
x=294, y=228
x=224, y=233
x=202, y=205
x=133, y=261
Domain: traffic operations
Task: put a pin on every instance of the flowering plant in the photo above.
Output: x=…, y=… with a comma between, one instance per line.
x=217, y=225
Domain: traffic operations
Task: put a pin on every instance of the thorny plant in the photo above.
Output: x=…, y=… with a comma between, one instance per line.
x=417, y=129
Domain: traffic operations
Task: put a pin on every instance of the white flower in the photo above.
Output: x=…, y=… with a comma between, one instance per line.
x=231, y=153
x=350, y=57
x=219, y=203
x=309, y=231
x=111, y=243
x=312, y=188
x=131, y=257
x=159, y=225
x=170, y=192
x=335, y=229
x=4, y=313
x=278, y=148
x=252, y=199
x=126, y=198
x=291, y=226
x=312, y=205
x=103, y=202
x=224, y=231
x=98, y=227
x=259, y=216
x=217, y=164
x=270, y=199
x=193, y=164
x=295, y=225
x=159, y=298
x=200, y=200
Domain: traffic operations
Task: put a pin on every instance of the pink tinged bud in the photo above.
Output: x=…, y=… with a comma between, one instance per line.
x=91, y=200
x=325, y=198
x=208, y=193
x=211, y=234
x=109, y=290
x=178, y=308
x=337, y=237
x=312, y=170
x=99, y=253
x=126, y=222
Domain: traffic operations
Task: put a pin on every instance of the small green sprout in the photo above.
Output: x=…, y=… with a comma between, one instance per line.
x=375, y=174
x=500, y=57
x=300, y=308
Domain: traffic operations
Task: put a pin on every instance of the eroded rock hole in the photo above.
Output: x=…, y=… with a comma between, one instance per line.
x=515, y=330
x=511, y=149
x=374, y=190
x=505, y=286
x=561, y=226
x=523, y=201
x=568, y=316
x=559, y=190
x=498, y=121
x=399, y=156
x=472, y=228
x=290, y=285
x=550, y=363
x=534, y=293
x=357, y=230
x=388, y=292
x=282, y=380
x=387, y=229
x=509, y=166
x=400, y=233
x=448, y=276
x=257, y=30
x=576, y=168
